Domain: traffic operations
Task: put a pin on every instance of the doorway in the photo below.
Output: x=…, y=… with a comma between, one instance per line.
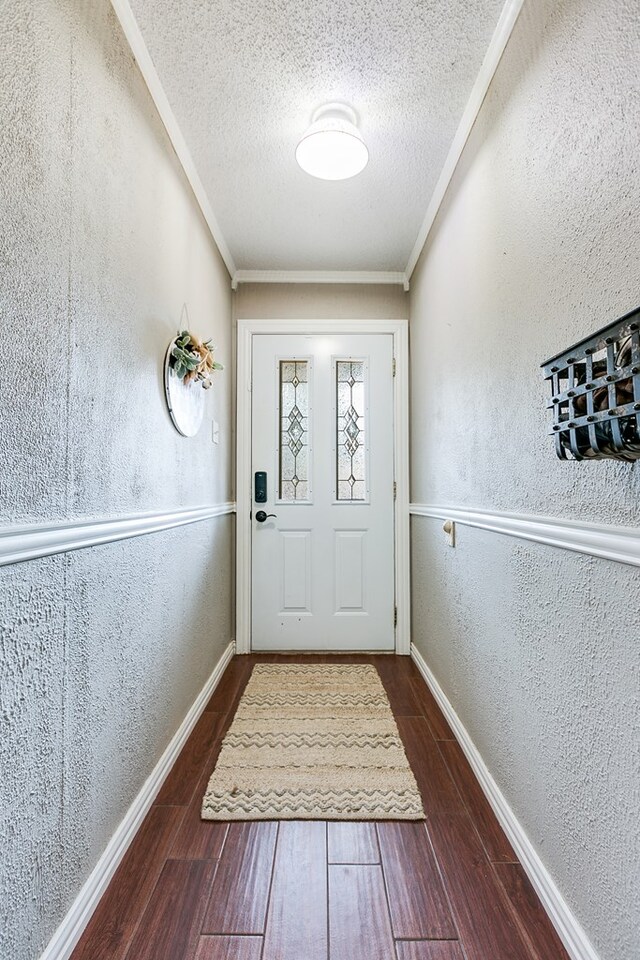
x=322, y=507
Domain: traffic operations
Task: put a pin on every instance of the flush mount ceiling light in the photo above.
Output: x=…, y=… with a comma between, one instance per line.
x=333, y=148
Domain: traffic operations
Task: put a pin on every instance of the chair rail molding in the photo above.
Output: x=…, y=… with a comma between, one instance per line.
x=34, y=540
x=569, y=929
x=608, y=542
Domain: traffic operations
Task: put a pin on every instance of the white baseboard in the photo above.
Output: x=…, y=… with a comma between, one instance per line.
x=70, y=930
x=569, y=930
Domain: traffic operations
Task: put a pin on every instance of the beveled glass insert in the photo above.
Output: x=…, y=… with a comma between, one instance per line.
x=293, y=480
x=351, y=480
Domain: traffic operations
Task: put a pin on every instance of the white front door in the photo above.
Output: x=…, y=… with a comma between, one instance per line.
x=322, y=433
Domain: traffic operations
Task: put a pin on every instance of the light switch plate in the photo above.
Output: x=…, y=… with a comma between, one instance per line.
x=215, y=431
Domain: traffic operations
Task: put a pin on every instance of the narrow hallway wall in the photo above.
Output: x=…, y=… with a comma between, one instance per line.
x=103, y=650
x=320, y=301
x=535, y=247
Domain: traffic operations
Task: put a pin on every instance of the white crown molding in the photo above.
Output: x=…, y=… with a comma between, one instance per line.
x=499, y=40
x=621, y=544
x=569, y=930
x=65, y=938
x=30, y=541
x=320, y=276
x=488, y=68
x=139, y=49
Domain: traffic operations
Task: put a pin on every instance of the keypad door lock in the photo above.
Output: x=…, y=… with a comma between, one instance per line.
x=260, y=486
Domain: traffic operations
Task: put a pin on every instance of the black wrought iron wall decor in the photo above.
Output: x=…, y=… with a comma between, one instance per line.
x=595, y=394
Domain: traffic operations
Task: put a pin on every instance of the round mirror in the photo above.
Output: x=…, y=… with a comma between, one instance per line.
x=185, y=403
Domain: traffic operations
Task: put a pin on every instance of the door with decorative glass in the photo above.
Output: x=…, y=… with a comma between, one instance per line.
x=323, y=529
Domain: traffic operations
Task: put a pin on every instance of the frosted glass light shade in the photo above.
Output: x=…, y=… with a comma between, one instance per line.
x=332, y=148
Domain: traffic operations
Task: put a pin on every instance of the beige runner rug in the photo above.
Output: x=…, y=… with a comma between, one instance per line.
x=313, y=742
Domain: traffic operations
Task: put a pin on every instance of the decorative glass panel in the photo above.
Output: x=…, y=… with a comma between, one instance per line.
x=350, y=444
x=294, y=431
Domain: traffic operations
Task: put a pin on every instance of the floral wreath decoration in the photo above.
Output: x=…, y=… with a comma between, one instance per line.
x=192, y=359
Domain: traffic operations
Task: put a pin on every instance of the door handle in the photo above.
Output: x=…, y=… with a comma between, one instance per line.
x=261, y=516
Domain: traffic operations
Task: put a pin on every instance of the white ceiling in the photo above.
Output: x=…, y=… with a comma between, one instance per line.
x=242, y=78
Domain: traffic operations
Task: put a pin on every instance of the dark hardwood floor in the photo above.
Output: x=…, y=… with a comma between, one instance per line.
x=447, y=889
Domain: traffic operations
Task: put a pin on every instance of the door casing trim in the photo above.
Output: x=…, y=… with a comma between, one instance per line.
x=399, y=329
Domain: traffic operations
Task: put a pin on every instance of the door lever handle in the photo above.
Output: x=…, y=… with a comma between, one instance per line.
x=261, y=516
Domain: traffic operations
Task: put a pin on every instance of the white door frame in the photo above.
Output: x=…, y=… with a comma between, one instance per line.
x=247, y=329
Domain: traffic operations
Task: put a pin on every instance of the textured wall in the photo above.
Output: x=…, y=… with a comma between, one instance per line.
x=318, y=301
x=542, y=669
x=102, y=651
x=537, y=245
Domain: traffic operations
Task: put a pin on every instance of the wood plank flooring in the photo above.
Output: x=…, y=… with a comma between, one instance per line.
x=447, y=889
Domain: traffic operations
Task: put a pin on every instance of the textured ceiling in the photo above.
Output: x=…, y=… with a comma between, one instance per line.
x=242, y=78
